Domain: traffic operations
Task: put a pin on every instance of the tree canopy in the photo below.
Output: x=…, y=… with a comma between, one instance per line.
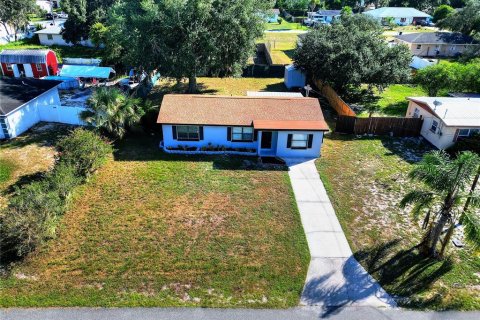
x=186, y=38
x=466, y=20
x=14, y=13
x=350, y=52
x=442, y=12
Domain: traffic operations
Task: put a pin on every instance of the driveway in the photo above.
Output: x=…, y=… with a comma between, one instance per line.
x=334, y=278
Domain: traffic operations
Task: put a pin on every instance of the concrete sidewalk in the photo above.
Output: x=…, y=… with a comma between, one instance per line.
x=334, y=278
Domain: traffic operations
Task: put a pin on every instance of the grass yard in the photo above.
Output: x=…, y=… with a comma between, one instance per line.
x=393, y=100
x=152, y=229
x=282, y=46
x=61, y=51
x=285, y=25
x=365, y=179
x=25, y=157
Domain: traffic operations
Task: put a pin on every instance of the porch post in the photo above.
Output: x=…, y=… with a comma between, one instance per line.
x=259, y=142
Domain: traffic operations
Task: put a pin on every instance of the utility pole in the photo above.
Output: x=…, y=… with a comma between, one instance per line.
x=51, y=11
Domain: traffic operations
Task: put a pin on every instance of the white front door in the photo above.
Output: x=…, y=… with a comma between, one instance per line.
x=28, y=70
x=16, y=72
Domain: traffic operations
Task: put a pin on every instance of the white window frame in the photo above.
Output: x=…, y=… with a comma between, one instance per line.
x=242, y=134
x=192, y=133
x=434, y=127
x=419, y=46
x=299, y=142
x=49, y=36
x=9, y=67
x=38, y=66
x=416, y=113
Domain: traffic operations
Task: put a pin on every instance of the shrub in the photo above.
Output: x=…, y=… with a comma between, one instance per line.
x=84, y=150
x=63, y=179
x=466, y=144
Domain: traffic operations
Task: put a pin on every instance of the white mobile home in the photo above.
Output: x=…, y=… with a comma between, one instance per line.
x=401, y=16
x=445, y=119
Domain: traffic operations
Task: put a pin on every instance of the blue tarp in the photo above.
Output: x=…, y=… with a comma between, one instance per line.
x=67, y=82
x=86, y=71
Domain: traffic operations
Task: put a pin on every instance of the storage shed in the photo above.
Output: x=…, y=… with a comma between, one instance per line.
x=28, y=63
x=294, y=78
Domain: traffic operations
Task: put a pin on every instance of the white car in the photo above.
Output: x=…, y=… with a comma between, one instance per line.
x=62, y=15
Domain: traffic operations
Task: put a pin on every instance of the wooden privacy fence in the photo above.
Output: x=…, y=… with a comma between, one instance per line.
x=397, y=127
x=337, y=103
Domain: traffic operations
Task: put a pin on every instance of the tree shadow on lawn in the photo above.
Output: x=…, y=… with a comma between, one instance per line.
x=395, y=109
x=404, y=273
x=42, y=134
x=142, y=147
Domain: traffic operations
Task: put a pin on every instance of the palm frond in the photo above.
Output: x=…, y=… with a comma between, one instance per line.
x=471, y=222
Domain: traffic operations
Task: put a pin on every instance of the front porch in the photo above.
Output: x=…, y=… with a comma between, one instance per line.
x=267, y=143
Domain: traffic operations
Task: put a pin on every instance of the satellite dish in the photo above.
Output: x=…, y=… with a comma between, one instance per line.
x=436, y=103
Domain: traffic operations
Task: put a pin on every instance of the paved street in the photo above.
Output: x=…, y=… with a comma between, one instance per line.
x=334, y=278
x=304, y=313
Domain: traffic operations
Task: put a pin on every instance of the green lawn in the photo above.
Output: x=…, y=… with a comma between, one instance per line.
x=282, y=46
x=61, y=51
x=285, y=25
x=365, y=179
x=152, y=229
x=6, y=170
x=393, y=100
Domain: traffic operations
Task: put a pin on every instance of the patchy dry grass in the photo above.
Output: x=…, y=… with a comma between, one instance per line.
x=152, y=229
x=282, y=46
x=365, y=179
x=26, y=156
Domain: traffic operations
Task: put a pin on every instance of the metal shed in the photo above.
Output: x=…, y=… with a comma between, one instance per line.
x=294, y=78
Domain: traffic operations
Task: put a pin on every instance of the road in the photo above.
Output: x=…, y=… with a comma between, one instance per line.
x=300, y=313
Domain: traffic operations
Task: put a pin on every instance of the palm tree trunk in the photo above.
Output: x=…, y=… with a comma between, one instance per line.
x=447, y=238
x=434, y=235
x=474, y=185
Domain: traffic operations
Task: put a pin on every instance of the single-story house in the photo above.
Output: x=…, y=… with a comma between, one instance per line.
x=28, y=63
x=53, y=36
x=25, y=102
x=401, y=16
x=446, y=119
x=432, y=44
x=265, y=126
x=328, y=15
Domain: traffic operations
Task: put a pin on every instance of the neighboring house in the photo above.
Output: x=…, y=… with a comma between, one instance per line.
x=401, y=16
x=25, y=102
x=432, y=44
x=28, y=63
x=328, y=15
x=273, y=15
x=445, y=119
x=52, y=36
x=265, y=126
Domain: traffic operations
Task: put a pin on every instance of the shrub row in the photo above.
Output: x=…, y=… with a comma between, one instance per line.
x=35, y=209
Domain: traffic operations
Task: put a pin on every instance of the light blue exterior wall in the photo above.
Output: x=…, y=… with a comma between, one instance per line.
x=217, y=136
x=46, y=107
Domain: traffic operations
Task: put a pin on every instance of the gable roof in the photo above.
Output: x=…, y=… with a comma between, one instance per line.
x=15, y=92
x=397, y=12
x=287, y=113
x=437, y=38
x=24, y=56
x=50, y=30
x=456, y=112
x=329, y=12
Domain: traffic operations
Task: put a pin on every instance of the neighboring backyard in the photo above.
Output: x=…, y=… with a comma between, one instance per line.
x=365, y=179
x=151, y=229
x=282, y=45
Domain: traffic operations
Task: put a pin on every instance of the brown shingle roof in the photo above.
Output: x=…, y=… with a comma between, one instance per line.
x=242, y=111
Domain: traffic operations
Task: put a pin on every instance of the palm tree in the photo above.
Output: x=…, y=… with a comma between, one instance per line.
x=112, y=111
x=447, y=187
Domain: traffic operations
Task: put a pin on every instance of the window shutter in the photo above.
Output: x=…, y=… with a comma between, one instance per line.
x=229, y=133
x=289, y=141
x=310, y=140
x=255, y=135
x=200, y=129
x=174, y=132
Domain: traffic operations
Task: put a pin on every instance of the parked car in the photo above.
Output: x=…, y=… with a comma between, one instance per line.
x=425, y=23
x=63, y=15
x=50, y=16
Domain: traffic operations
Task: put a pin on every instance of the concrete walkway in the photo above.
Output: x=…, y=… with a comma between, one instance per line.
x=334, y=278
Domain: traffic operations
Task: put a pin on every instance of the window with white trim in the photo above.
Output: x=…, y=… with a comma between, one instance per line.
x=188, y=133
x=242, y=134
x=468, y=132
x=434, y=126
x=49, y=37
x=39, y=66
x=419, y=46
x=299, y=141
x=9, y=67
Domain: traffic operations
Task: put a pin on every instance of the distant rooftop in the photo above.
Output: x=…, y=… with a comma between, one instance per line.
x=15, y=92
x=457, y=112
x=50, y=30
x=24, y=56
x=397, y=12
x=329, y=12
x=437, y=38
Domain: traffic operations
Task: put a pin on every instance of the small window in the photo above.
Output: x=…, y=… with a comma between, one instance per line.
x=9, y=67
x=419, y=46
x=299, y=141
x=39, y=67
x=188, y=133
x=464, y=132
x=434, y=126
x=49, y=37
x=416, y=113
x=453, y=48
x=242, y=134
x=403, y=19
